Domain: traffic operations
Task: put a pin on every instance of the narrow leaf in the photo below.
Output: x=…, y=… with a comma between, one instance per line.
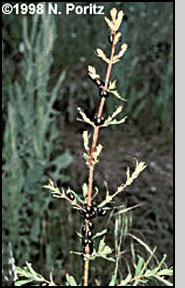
x=144, y=245
x=117, y=37
x=162, y=280
x=112, y=85
x=113, y=14
x=85, y=190
x=119, y=19
x=84, y=117
x=86, y=140
x=124, y=210
x=168, y=272
x=102, y=55
x=100, y=233
x=139, y=265
x=126, y=281
x=92, y=72
x=110, y=24
x=116, y=94
x=123, y=50
x=22, y=282
x=71, y=281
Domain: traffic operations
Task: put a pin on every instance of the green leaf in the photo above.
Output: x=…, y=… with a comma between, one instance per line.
x=110, y=24
x=168, y=272
x=116, y=122
x=86, y=158
x=114, y=276
x=117, y=38
x=79, y=235
x=161, y=263
x=144, y=245
x=112, y=85
x=116, y=229
x=77, y=197
x=23, y=272
x=148, y=260
x=108, y=258
x=86, y=137
x=123, y=50
x=84, y=117
x=95, y=193
x=116, y=94
x=113, y=14
x=113, y=280
x=85, y=190
x=124, y=210
x=103, y=248
x=22, y=282
x=139, y=265
x=119, y=19
x=133, y=253
x=102, y=55
x=76, y=253
x=71, y=281
x=101, y=245
x=126, y=281
x=111, y=121
x=32, y=271
x=52, y=283
x=128, y=172
x=149, y=273
x=162, y=280
x=99, y=234
x=92, y=72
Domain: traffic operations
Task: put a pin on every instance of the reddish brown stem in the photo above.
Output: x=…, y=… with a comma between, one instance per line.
x=96, y=129
x=93, y=149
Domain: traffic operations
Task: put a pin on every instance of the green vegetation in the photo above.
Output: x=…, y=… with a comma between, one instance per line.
x=30, y=136
x=37, y=98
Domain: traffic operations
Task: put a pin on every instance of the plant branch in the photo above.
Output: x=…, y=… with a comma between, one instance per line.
x=61, y=194
x=93, y=150
x=96, y=129
x=140, y=166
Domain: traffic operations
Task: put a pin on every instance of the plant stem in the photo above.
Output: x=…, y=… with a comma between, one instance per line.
x=86, y=273
x=96, y=129
x=93, y=149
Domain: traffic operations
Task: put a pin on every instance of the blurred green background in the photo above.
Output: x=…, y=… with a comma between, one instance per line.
x=45, y=59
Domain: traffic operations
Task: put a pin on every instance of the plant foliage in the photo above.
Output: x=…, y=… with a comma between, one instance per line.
x=30, y=137
x=140, y=271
